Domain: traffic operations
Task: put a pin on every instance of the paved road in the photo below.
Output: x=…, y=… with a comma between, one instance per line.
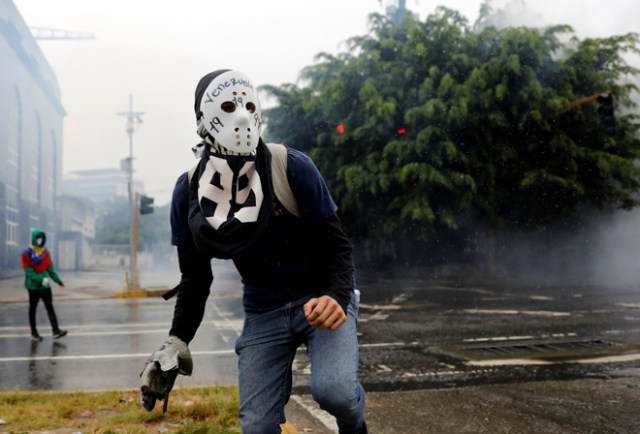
x=421, y=333
x=418, y=339
x=109, y=338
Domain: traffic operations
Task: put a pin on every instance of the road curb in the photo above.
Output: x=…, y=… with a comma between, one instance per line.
x=139, y=293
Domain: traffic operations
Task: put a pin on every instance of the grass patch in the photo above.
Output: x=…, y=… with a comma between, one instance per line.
x=201, y=410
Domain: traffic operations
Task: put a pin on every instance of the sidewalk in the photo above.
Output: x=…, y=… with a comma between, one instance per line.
x=603, y=405
x=78, y=285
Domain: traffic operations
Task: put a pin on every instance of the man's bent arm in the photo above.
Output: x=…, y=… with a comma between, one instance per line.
x=341, y=269
x=193, y=291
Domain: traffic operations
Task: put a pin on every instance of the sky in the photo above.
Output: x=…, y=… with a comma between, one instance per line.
x=155, y=51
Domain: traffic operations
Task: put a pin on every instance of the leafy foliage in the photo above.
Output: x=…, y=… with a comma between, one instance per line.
x=113, y=223
x=488, y=132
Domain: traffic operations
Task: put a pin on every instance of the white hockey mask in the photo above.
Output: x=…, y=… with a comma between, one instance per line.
x=231, y=112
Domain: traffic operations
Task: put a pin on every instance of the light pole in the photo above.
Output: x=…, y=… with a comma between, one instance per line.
x=133, y=120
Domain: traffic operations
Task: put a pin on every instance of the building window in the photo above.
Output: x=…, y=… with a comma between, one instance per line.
x=14, y=141
x=50, y=185
x=12, y=234
x=36, y=162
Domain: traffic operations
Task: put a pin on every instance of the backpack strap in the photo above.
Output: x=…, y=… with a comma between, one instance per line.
x=281, y=186
x=191, y=172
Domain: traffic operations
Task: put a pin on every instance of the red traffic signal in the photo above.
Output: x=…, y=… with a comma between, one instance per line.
x=401, y=131
x=340, y=129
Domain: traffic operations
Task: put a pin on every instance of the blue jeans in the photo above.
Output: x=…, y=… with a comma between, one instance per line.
x=266, y=350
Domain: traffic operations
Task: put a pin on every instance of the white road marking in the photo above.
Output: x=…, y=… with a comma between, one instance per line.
x=122, y=329
x=618, y=332
x=379, y=306
x=498, y=339
x=629, y=305
x=109, y=356
x=96, y=333
x=228, y=321
x=378, y=315
x=540, y=298
x=516, y=312
x=301, y=366
x=383, y=368
x=375, y=317
x=100, y=326
x=519, y=338
x=391, y=344
x=510, y=362
x=145, y=355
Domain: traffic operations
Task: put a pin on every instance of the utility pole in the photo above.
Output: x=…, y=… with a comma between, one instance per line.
x=133, y=120
x=134, y=268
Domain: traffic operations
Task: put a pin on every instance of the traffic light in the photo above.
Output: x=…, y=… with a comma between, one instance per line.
x=605, y=109
x=340, y=129
x=146, y=205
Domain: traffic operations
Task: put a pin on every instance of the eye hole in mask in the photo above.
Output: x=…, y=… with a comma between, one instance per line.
x=228, y=106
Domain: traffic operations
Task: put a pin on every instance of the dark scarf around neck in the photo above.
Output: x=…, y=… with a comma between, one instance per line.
x=230, y=199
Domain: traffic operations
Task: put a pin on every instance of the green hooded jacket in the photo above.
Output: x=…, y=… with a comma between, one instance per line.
x=37, y=264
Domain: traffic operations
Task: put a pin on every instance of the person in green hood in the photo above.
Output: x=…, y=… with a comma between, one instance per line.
x=38, y=274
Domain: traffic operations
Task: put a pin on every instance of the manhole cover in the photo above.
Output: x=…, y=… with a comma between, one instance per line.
x=541, y=349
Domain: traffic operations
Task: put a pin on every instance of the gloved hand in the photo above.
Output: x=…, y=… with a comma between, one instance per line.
x=46, y=282
x=160, y=372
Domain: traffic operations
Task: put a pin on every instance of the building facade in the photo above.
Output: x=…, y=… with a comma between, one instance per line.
x=77, y=229
x=100, y=185
x=31, y=120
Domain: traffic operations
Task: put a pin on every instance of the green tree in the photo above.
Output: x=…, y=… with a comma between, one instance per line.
x=488, y=133
x=113, y=223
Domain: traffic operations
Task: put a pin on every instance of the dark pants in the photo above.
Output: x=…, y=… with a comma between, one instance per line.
x=34, y=297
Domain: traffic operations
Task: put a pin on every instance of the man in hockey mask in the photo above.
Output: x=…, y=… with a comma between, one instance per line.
x=282, y=232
